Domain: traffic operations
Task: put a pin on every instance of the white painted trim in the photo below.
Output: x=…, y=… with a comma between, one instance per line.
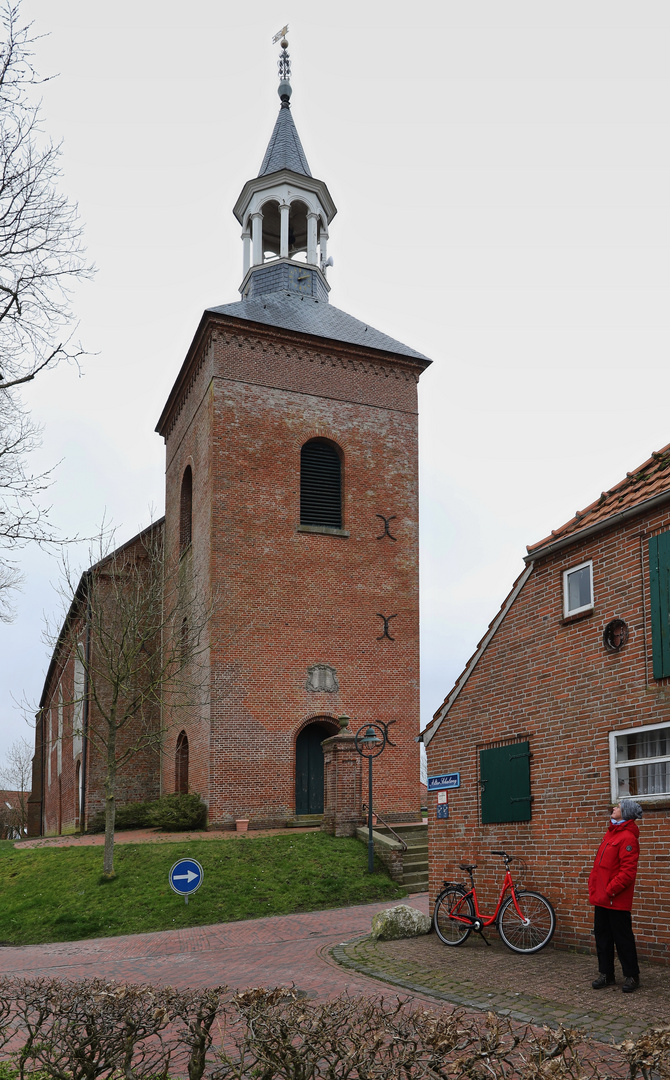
x=614, y=786
x=433, y=728
x=569, y=612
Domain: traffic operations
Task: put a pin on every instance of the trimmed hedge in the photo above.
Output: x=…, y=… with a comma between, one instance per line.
x=177, y=813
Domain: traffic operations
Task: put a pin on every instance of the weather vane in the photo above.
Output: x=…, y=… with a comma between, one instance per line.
x=284, y=59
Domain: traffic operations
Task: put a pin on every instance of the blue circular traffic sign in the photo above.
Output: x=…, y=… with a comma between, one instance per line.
x=186, y=876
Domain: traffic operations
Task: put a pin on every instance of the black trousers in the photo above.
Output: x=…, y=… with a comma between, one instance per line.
x=612, y=928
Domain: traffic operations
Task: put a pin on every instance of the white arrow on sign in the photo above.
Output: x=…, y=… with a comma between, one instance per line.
x=188, y=877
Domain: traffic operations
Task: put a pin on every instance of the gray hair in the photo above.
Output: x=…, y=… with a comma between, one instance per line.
x=630, y=809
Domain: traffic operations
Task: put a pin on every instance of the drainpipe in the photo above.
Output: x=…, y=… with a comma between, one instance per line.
x=84, y=733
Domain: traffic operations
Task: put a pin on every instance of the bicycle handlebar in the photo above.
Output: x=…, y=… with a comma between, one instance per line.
x=506, y=857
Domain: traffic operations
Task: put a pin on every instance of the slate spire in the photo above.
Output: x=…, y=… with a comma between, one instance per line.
x=284, y=149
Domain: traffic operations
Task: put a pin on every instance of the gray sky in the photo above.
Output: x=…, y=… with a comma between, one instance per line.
x=501, y=173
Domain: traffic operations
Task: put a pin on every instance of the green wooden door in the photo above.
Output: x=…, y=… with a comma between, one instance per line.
x=309, y=769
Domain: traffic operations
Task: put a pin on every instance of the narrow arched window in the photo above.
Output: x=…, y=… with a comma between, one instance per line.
x=186, y=509
x=184, y=641
x=181, y=765
x=320, y=484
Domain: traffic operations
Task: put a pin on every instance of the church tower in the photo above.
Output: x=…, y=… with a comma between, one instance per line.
x=292, y=509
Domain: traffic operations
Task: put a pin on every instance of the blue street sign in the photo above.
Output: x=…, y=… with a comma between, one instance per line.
x=445, y=781
x=443, y=811
x=185, y=877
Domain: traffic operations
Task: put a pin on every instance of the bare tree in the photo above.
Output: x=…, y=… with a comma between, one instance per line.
x=41, y=257
x=138, y=629
x=16, y=777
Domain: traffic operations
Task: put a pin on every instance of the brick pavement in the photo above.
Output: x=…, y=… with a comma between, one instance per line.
x=326, y=953
x=552, y=987
x=278, y=950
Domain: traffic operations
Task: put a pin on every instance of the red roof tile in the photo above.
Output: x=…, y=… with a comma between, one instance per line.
x=648, y=480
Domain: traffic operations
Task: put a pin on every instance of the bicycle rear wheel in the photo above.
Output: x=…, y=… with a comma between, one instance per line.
x=451, y=902
x=532, y=932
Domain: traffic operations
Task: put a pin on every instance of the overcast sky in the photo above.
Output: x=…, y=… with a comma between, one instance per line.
x=501, y=172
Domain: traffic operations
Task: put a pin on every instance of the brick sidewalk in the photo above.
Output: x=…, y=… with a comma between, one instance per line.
x=273, y=951
x=327, y=953
x=147, y=836
x=551, y=987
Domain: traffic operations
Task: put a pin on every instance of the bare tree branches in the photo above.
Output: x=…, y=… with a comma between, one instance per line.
x=41, y=257
x=88, y=1029
x=16, y=777
x=125, y=629
x=41, y=254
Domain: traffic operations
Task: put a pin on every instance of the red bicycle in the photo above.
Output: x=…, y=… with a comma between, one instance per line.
x=524, y=919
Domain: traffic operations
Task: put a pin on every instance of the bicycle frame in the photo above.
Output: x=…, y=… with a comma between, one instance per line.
x=486, y=920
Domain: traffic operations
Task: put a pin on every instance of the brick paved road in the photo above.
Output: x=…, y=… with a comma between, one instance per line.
x=275, y=951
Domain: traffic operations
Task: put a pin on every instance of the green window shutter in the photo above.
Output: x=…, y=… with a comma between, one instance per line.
x=504, y=772
x=659, y=587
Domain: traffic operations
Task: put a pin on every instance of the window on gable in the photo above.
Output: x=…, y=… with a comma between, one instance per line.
x=659, y=589
x=578, y=589
x=320, y=484
x=504, y=777
x=640, y=762
x=185, y=509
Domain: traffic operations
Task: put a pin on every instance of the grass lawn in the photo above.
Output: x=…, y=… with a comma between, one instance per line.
x=51, y=894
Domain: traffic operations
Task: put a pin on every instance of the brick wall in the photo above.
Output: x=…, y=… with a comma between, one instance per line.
x=551, y=681
x=283, y=599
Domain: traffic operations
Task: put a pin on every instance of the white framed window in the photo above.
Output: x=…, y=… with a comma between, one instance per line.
x=578, y=589
x=640, y=762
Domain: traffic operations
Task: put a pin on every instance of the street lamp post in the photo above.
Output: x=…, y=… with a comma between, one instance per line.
x=370, y=745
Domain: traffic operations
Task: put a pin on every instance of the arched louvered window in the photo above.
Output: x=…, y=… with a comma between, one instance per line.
x=181, y=765
x=186, y=509
x=320, y=484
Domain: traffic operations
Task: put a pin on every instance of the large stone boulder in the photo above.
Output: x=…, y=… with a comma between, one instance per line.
x=399, y=922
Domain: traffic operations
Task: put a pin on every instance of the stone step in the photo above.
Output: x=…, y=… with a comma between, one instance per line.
x=410, y=863
x=416, y=882
x=304, y=821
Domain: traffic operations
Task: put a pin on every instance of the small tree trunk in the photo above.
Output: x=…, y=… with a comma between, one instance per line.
x=110, y=803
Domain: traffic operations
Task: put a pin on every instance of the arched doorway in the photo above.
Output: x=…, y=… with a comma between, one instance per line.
x=309, y=766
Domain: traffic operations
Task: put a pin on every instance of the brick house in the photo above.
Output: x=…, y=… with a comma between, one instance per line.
x=565, y=707
x=291, y=505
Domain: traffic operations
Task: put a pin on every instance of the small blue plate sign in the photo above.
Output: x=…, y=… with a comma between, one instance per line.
x=445, y=781
x=442, y=811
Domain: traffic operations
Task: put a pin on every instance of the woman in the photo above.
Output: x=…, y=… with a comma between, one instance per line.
x=611, y=885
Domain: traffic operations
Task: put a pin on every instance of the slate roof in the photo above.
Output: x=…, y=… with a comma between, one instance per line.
x=650, y=479
x=290, y=311
x=284, y=149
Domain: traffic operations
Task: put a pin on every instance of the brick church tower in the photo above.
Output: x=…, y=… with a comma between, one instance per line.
x=292, y=509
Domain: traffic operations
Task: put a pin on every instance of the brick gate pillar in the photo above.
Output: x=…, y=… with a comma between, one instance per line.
x=342, y=812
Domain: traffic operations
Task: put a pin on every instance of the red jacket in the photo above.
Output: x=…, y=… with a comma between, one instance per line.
x=612, y=880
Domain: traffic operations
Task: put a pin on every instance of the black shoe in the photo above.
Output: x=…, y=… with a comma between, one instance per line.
x=630, y=984
x=604, y=980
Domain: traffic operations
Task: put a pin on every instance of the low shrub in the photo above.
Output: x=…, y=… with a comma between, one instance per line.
x=133, y=815
x=96, y=1030
x=177, y=813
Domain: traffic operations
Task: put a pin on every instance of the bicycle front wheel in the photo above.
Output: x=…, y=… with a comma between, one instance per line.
x=452, y=902
x=534, y=929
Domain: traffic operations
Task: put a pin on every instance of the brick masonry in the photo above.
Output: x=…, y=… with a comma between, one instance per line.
x=551, y=681
x=247, y=399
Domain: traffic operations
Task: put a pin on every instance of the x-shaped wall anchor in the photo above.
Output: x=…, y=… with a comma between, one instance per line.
x=387, y=619
x=386, y=526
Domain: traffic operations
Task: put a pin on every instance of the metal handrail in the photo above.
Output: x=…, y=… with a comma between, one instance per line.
x=389, y=827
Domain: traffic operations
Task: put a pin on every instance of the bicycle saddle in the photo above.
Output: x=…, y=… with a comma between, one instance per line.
x=467, y=866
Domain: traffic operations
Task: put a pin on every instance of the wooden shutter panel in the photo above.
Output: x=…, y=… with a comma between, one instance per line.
x=659, y=587
x=504, y=772
x=320, y=485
